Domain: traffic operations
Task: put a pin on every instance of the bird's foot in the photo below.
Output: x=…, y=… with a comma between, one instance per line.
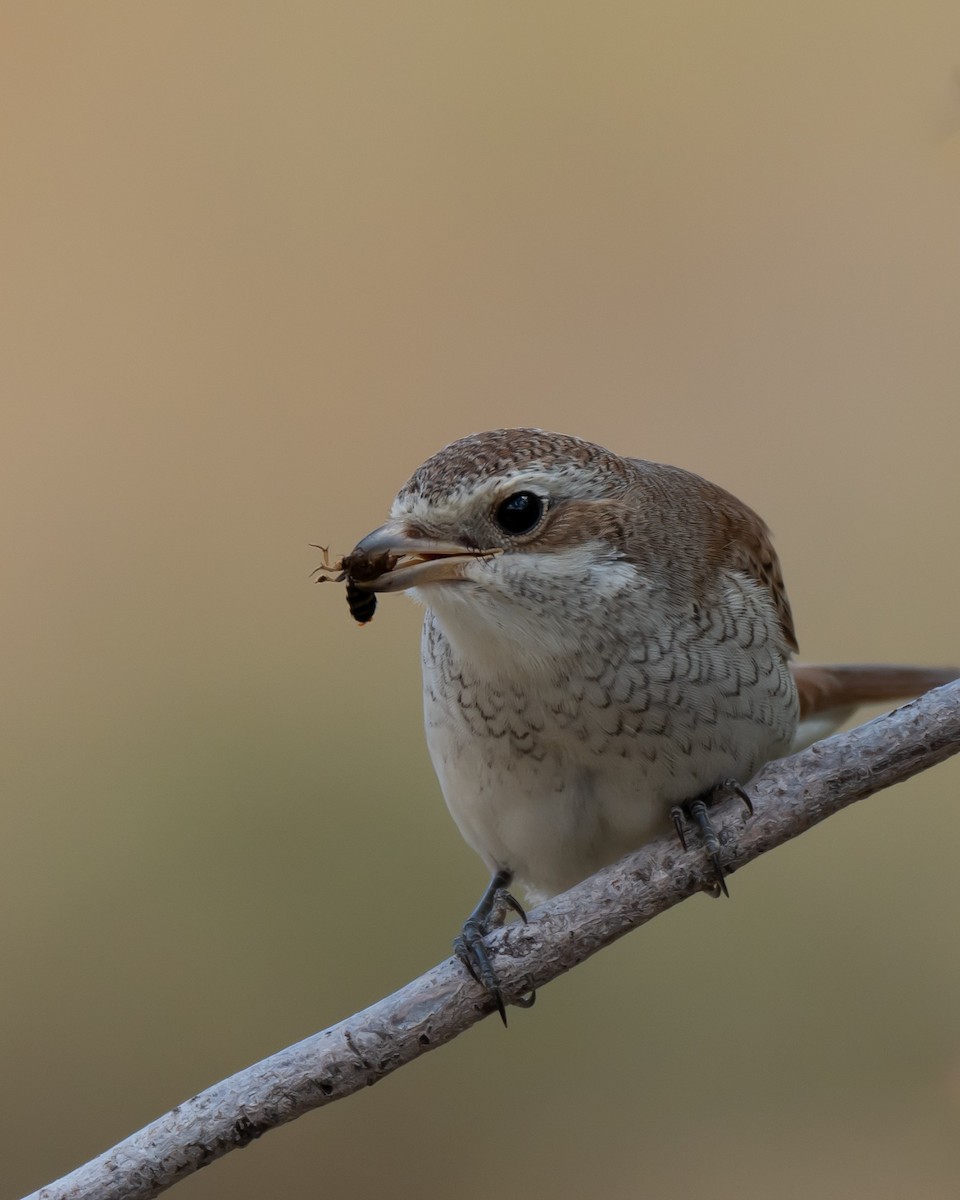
x=696, y=812
x=469, y=945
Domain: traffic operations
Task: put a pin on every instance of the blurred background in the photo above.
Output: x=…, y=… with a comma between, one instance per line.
x=259, y=261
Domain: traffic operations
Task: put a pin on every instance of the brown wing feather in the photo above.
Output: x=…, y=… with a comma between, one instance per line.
x=720, y=532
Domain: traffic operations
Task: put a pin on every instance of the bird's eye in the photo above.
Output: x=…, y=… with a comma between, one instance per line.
x=519, y=513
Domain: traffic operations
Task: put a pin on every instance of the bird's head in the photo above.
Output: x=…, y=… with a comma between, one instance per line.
x=493, y=507
x=533, y=537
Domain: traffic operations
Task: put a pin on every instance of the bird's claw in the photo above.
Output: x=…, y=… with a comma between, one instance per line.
x=696, y=811
x=470, y=948
x=679, y=819
x=711, y=843
x=510, y=901
x=469, y=945
x=730, y=786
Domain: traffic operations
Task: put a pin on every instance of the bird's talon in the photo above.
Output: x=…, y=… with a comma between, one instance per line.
x=679, y=822
x=697, y=811
x=469, y=945
x=471, y=951
x=512, y=902
x=736, y=789
x=465, y=952
x=720, y=884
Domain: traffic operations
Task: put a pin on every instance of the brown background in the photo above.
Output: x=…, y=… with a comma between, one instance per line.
x=259, y=260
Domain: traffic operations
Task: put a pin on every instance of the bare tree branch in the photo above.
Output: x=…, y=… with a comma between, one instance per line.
x=789, y=797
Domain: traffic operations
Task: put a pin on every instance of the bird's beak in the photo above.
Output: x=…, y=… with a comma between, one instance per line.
x=390, y=560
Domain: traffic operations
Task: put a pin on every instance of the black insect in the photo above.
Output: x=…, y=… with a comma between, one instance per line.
x=356, y=569
x=362, y=604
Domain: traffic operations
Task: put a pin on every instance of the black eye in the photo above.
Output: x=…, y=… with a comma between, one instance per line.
x=519, y=513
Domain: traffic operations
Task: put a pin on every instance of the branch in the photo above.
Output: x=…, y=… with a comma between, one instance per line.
x=789, y=797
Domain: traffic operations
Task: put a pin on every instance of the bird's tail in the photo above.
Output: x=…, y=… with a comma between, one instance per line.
x=830, y=694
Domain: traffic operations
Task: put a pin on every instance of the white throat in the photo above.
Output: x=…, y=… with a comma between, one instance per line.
x=525, y=613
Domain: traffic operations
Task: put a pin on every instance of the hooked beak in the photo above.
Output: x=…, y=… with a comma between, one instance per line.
x=390, y=560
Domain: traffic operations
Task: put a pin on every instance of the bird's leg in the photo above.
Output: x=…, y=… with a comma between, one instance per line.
x=697, y=812
x=469, y=946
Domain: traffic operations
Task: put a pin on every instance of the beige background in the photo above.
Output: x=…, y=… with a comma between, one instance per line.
x=258, y=261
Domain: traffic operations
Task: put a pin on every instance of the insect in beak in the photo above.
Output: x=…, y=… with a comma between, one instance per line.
x=390, y=560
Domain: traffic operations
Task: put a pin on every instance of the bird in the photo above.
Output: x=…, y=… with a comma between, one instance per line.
x=607, y=648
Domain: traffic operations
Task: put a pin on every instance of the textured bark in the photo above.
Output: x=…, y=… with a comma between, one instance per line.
x=789, y=797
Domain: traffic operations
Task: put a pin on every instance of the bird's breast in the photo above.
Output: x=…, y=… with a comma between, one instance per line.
x=561, y=749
